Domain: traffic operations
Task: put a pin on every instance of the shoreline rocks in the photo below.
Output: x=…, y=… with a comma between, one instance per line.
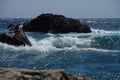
x=46, y=23
x=16, y=38
x=23, y=74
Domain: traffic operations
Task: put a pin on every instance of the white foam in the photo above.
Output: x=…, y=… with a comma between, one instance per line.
x=100, y=31
x=74, y=41
x=50, y=44
x=99, y=50
x=74, y=48
x=91, y=21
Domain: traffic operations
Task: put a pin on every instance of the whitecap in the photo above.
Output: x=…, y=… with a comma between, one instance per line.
x=100, y=31
x=99, y=50
x=75, y=48
x=50, y=43
x=91, y=21
x=53, y=43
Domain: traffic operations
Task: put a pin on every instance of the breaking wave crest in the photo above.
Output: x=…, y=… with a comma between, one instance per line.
x=100, y=31
x=71, y=41
x=50, y=44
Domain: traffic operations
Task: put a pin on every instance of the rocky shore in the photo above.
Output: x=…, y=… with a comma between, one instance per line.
x=23, y=74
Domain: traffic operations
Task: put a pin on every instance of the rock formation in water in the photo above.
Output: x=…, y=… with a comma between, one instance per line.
x=15, y=37
x=46, y=23
x=22, y=74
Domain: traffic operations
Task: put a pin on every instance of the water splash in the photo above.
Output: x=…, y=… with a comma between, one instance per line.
x=53, y=43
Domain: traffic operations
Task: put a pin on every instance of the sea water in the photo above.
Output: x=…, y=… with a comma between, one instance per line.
x=96, y=54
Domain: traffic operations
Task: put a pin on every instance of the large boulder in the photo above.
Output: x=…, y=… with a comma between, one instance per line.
x=22, y=74
x=16, y=38
x=46, y=23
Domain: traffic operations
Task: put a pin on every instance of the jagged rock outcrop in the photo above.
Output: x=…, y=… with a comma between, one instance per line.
x=55, y=24
x=22, y=74
x=16, y=38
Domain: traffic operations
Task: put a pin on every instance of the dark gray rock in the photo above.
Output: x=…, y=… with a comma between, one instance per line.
x=22, y=74
x=16, y=38
x=46, y=23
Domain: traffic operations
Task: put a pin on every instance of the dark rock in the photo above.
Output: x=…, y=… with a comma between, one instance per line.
x=22, y=74
x=16, y=38
x=55, y=24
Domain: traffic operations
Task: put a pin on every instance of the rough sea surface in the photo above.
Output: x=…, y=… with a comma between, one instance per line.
x=96, y=54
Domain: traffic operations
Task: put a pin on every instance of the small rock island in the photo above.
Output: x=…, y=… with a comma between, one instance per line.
x=50, y=23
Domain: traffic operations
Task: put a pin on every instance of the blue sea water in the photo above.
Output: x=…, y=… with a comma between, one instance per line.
x=96, y=54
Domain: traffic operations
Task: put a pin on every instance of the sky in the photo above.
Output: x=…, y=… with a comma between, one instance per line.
x=69, y=8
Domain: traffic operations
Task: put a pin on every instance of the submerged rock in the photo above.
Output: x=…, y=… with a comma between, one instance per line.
x=16, y=38
x=55, y=24
x=22, y=74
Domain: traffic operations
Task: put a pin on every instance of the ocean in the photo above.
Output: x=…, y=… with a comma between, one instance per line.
x=96, y=54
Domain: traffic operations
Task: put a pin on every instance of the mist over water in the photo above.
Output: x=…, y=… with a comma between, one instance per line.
x=95, y=54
